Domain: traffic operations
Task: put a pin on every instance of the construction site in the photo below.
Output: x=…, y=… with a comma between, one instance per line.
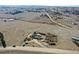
x=39, y=32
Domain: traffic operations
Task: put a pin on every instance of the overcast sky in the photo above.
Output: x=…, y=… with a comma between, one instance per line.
x=40, y=2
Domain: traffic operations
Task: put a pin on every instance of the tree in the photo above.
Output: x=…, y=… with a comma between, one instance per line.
x=2, y=40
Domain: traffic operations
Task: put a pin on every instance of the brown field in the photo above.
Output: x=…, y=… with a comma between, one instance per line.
x=16, y=31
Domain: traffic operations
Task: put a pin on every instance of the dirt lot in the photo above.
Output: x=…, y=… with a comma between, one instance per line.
x=16, y=31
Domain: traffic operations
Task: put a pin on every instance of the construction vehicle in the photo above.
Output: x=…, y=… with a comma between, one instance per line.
x=76, y=40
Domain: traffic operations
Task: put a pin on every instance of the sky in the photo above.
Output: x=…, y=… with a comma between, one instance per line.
x=40, y=2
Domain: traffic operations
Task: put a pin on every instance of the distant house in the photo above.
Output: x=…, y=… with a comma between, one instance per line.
x=7, y=19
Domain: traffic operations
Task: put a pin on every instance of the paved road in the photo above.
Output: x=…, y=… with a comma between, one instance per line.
x=35, y=50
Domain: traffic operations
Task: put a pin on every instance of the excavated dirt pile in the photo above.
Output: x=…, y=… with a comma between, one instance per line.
x=38, y=39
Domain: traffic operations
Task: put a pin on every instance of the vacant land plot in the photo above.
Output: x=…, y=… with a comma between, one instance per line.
x=16, y=31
